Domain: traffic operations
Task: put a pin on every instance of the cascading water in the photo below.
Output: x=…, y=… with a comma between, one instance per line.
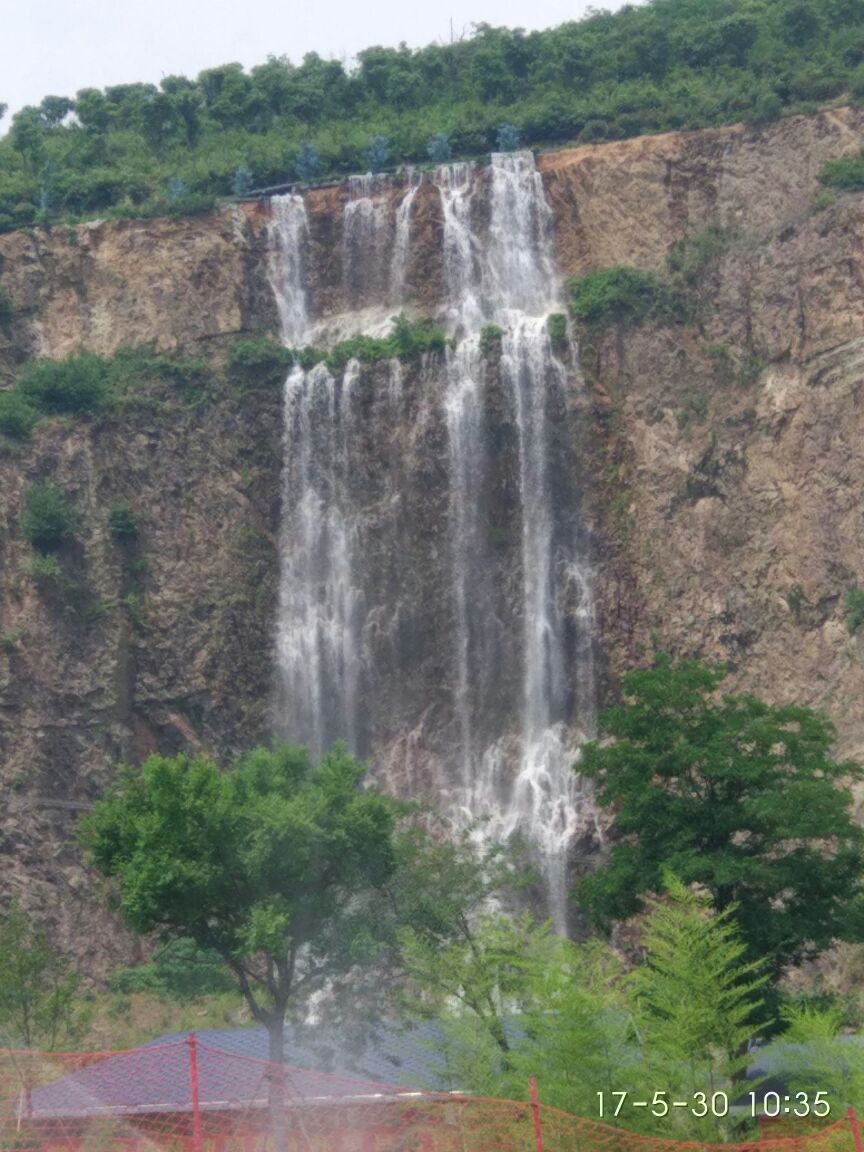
x=435, y=609
x=523, y=781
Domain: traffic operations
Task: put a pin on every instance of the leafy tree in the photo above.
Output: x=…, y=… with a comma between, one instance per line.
x=273, y=865
x=378, y=155
x=38, y=1007
x=179, y=970
x=176, y=189
x=308, y=163
x=48, y=519
x=438, y=149
x=242, y=182
x=735, y=795
x=508, y=138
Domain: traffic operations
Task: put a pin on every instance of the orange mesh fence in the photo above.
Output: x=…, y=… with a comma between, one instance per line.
x=188, y=1097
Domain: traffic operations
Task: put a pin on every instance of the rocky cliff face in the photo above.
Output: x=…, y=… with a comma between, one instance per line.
x=720, y=463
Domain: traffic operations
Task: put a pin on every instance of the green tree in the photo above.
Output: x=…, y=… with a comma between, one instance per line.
x=698, y=999
x=274, y=865
x=38, y=1007
x=735, y=795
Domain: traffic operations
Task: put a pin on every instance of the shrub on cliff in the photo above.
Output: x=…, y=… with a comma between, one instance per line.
x=846, y=173
x=48, y=519
x=17, y=417
x=76, y=385
x=260, y=361
x=626, y=296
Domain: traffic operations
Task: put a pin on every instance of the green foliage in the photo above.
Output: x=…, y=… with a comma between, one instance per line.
x=732, y=794
x=48, y=519
x=378, y=155
x=269, y=864
x=626, y=296
x=846, y=173
x=646, y=68
x=46, y=570
x=507, y=139
x=38, y=1008
x=814, y=1055
x=694, y=406
x=490, y=339
x=122, y=521
x=77, y=385
x=179, y=970
x=307, y=164
x=438, y=149
x=698, y=998
x=261, y=361
x=17, y=417
x=512, y=998
x=556, y=326
x=854, y=609
x=407, y=340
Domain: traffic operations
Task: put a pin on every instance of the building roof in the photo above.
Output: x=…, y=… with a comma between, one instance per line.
x=156, y=1079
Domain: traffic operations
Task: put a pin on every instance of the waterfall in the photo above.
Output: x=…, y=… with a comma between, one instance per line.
x=435, y=604
x=401, y=244
x=286, y=233
x=521, y=782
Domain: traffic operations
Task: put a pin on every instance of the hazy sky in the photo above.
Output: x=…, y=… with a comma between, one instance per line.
x=55, y=47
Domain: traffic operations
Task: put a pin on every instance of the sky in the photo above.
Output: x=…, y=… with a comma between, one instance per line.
x=55, y=47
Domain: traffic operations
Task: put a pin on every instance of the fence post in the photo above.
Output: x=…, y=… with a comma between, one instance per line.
x=856, y=1129
x=535, y=1108
x=196, y=1101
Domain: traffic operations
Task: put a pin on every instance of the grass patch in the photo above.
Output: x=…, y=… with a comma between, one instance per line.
x=847, y=173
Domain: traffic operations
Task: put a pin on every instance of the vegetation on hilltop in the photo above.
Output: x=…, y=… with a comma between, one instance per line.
x=668, y=64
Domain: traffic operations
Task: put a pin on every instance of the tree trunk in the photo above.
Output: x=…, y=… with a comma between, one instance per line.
x=276, y=1089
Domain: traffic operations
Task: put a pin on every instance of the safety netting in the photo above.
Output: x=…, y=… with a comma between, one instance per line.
x=189, y=1097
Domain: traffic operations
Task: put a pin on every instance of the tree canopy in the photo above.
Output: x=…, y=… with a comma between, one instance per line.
x=658, y=66
x=271, y=865
x=735, y=795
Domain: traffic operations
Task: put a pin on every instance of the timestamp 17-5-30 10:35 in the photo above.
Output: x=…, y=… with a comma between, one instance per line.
x=716, y=1104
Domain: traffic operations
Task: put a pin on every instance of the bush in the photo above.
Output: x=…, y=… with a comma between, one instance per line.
x=17, y=417
x=261, y=361
x=48, y=519
x=626, y=296
x=122, y=522
x=77, y=385
x=847, y=173
x=854, y=609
